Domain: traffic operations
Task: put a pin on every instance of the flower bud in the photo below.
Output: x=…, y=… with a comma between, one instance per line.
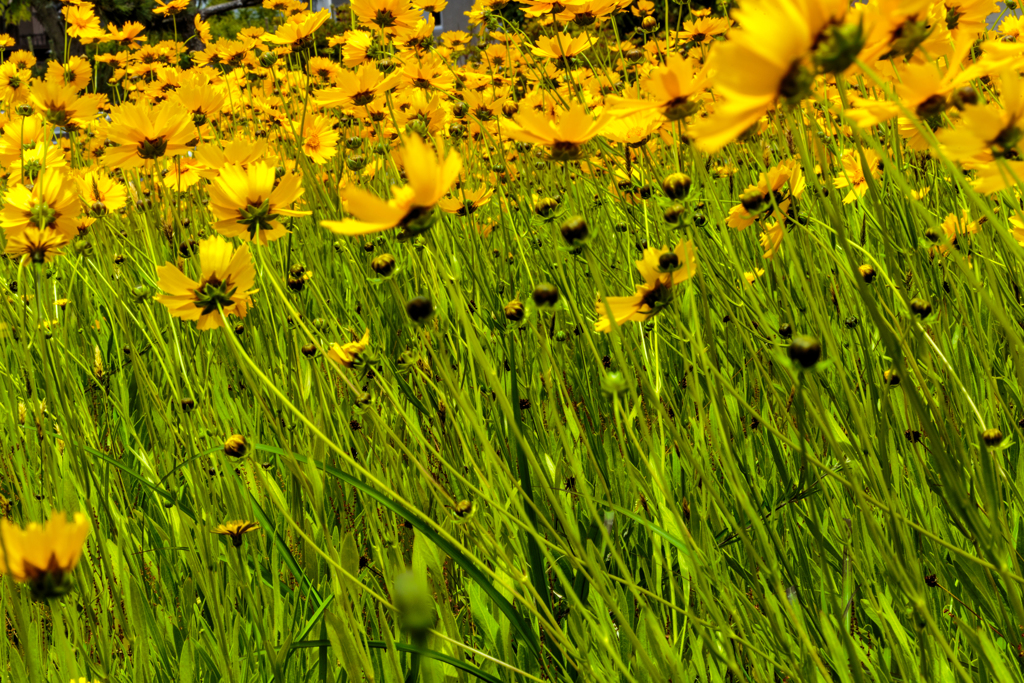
x=236, y=446
x=545, y=294
x=574, y=230
x=785, y=331
x=383, y=265
x=544, y=206
x=509, y=109
x=676, y=185
x=515, y=311
x=419, y=309
x=867, y=273
x=674, y=213
x=920, y=307
x=649, y=24
x=268, y=59
x=805, y=351
x=992, y=437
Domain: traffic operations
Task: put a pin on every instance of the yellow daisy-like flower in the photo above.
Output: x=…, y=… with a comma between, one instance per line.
x=563, y=137
x=411, y=206
x=348, y=354
x=246, y=203
x=171, y=7
x=101, y=193
x=662, y=270
x=298, y=28
x=143, y=133
x=43, y=555
x=39, y=246
x=226, y=283
x=51, y=203
x=236, y=530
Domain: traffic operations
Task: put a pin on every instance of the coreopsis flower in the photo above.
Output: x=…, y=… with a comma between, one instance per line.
x=348, y=354
x=27, y=167
x=236, y=530
x=298, y=28
x=143, y=133
x=14, y=83
x=355, y=51
x=23, y=59
x=52, y=202
x=562, y=46
x=563, y=138
x=38, y=246
x=203, y=29
x=319, y=139
x=247, y=204
x=61, y=104
x=466, y=202
x=82, y=22
x=635, y=129
x=356, y=89
x=76, y=72
x=225, y=283
x=853, y=173
x=201, y=97
x=42, y=556
x=411, y=206
x=6, y=41
x=955, y=227
x=129, y=35
x=767, y=194
x=661, y=270
x=170, y=8
x=100, y=193
x=390, y=17
x=676, y=90
x=764, y=60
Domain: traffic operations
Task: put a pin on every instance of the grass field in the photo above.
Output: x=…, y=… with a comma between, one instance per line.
x=612, y=342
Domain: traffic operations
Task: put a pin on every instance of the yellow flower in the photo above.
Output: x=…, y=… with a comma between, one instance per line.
x=226, y=283
x=143, y=133
x=246, y=202
x=411, y=206
x=675, y=90
x=60, y=104
x=82, y=22
x=348, y=354
x=236, y=530
x=390, y=17
x=43, y=555
x=661, y=270
x=76, y=72
x=101, y=193
x=171, y=7
x=762, y=61
x=39, y=246
x=298, y=28
x=356, y=89
x=563, y=138
x=758, y=198
x=319, y=139
x=51, y=203
x=562, y=46
x=854, y=177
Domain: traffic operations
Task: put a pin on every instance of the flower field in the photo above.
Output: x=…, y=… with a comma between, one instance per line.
x=606, y=340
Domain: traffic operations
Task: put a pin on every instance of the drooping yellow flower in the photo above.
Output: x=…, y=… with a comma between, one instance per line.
x=348, y=354
x=38, y=246
x=767, y=193
x=676, y=90
x=51, y=203
x=247, y=204
x=763, y=61
x=60, y=103
x=236, y=530
x=144, y=133
x=43, y=555
x=412, y=205
x=563, y=137
x=225, y=283
x=661, y=270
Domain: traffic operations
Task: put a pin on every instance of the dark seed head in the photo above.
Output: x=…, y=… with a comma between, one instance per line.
x=805, y=350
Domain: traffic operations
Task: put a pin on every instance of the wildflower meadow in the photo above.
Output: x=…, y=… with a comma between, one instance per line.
x=604, y=340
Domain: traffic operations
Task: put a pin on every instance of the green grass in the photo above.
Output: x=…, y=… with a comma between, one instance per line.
x=674, y=501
